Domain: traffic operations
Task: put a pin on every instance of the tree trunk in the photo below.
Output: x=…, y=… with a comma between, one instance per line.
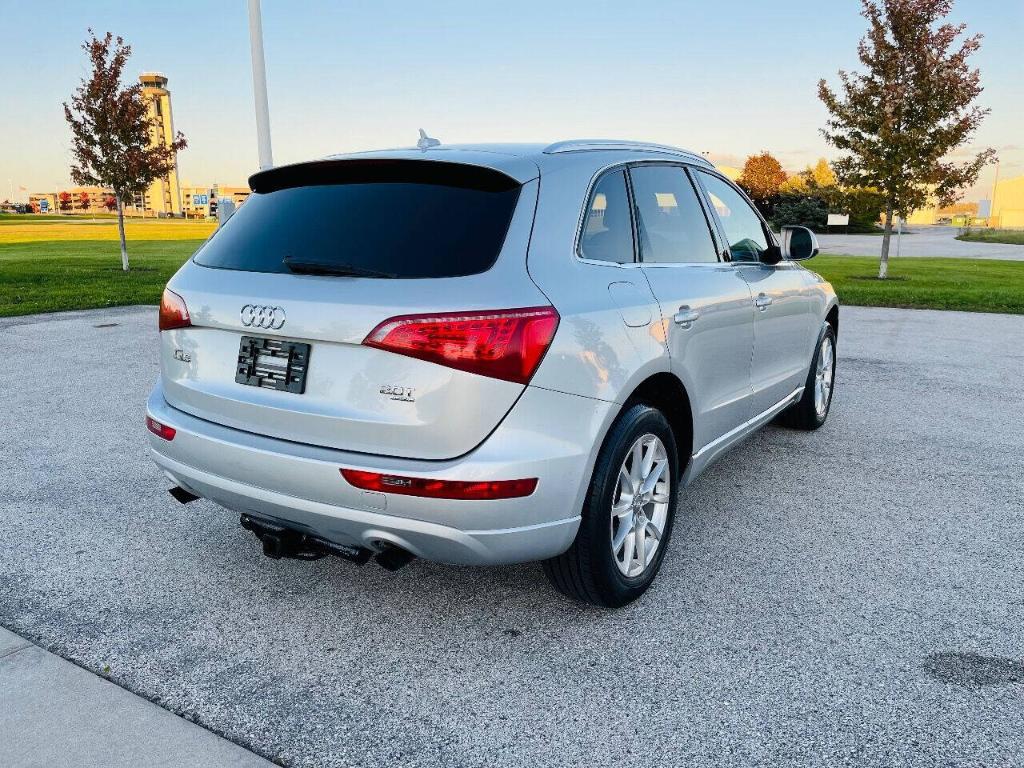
x=120, y=231
x=883, y=264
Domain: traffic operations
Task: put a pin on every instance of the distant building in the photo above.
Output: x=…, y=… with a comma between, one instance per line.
x=44, y=202
x=163, y=198
x=96, y=197
x=1008, y=203
x=201, y=202
x=729, y=172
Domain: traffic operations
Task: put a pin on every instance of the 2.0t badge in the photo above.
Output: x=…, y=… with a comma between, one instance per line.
x=257, y=316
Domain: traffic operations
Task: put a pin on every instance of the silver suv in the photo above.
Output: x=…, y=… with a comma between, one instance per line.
x=485, y=354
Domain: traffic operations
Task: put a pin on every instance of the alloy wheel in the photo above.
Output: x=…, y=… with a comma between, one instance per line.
x=823, y=376
x=640, y=505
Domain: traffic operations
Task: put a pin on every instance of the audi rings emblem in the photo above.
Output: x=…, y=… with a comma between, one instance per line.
x=256, y=316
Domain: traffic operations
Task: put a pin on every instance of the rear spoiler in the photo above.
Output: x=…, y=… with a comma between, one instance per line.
x=382, y=171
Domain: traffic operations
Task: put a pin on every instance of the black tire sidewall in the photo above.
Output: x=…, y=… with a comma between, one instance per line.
x=615, y=588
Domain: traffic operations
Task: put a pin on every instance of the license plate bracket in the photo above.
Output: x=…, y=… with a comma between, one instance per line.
x=272, y=364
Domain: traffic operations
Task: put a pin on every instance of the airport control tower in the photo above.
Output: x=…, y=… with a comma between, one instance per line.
x=163, y=195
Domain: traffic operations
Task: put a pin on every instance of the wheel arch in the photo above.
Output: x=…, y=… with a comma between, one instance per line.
x=832, y=318
x=664, y=391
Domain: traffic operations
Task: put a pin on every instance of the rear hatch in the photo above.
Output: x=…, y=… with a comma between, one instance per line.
x=378, y=306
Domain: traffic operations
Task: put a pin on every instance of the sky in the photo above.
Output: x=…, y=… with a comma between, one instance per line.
x=726, y=77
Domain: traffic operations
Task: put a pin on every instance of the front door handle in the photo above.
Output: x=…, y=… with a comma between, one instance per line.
x=686, y=317
x=763, y=301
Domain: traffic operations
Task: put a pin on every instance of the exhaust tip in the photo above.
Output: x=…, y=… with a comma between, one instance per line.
x=180, y=494
x=394, y=558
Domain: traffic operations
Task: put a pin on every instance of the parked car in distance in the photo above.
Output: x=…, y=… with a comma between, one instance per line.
x=485, y=354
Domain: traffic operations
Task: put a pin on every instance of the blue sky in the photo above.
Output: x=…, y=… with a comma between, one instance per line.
x=731, y=78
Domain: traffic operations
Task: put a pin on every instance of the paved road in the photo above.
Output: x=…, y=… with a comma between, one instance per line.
x=922, y=241
x=852, y=596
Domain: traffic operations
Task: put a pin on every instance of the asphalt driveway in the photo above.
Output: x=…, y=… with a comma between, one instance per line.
x=853, y=596
x=921, y=241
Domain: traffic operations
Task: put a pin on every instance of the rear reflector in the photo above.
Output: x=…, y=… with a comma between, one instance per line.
x=173, y=312
x=504, y=344
x=160, y=430
x=440, y=489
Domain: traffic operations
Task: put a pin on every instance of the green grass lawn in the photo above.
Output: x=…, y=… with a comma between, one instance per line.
x=971, y=285
x=1011, y=236
x=50, y=276
x=53, y=275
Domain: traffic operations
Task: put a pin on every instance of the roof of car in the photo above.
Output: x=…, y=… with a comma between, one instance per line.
x=523, y=161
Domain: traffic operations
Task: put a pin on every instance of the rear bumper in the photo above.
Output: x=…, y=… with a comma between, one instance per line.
x=548, y=435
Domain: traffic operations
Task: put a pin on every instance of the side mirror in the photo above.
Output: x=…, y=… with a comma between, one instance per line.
x=798, y=243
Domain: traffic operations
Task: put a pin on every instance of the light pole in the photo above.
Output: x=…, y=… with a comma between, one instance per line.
x=259, y=85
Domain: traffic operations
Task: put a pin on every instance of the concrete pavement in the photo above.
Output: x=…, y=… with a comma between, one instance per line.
x=921, y=241
x=54, y=714
x=848, y=597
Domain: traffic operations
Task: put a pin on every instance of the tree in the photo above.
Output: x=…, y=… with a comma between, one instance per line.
x=803, y=210
x=111, y=129
x=762, y=178
x=899, y=121
x=110, y=202
x=64, y=201
x=83, y=201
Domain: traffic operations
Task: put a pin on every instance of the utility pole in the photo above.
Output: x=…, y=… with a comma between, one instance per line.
x=992, y=199
x=259, y=85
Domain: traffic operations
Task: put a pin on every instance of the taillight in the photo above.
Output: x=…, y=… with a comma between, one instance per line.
x=503, y=344
x=440, y=489
x=160, y=430
x=173, y=312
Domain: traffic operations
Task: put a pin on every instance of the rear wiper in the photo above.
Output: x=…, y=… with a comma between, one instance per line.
x=301, y=267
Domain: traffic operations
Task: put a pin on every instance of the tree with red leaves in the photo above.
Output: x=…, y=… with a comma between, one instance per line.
x=111, y=129
x=110, y=202
x=83, y=201
x=762, y=178
x=900, y=120
x=64, y=201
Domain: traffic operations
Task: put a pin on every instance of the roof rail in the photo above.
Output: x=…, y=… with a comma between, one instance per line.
x=591, y=145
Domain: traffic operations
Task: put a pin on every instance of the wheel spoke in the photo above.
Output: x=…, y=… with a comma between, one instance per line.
x=653, y=531
x=653, y=476
x=619, y=537
x=636, y=468
x=626, y=482
x=640, y=543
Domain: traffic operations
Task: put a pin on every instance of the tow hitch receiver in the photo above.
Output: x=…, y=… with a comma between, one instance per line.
x=280, y=541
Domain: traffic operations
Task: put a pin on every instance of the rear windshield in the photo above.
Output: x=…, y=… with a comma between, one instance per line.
x=406, y=219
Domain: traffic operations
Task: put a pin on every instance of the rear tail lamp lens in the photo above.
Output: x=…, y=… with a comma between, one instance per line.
x=504, y=344
x=173, y=312
x=160, y=430
x=440, y=489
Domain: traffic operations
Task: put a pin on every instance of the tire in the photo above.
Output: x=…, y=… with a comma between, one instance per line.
x=809, y=412
x=591, y=571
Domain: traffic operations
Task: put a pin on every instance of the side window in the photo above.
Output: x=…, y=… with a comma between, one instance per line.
x=608, y=231
x=670, y=221
x=743, y=229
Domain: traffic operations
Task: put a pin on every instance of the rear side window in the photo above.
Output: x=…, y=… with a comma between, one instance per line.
x=608, y=230
x=406, y=219
x=670, y=220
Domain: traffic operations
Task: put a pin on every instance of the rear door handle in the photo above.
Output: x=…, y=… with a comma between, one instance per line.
x=686, y=317
x=763, y=301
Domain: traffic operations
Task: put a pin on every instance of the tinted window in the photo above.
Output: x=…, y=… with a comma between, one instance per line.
x=405, y=218
x=608, y=231
x=743, y=229
x=669, y=218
